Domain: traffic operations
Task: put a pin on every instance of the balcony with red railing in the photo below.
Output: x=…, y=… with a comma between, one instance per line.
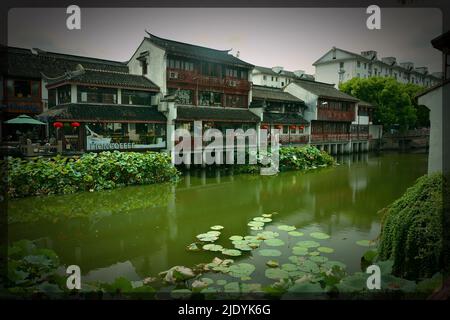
x=335, y=115
x=197, y=79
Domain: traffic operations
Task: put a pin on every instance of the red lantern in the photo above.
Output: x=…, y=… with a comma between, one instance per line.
x=292, y=127
x=279, y=127
x=265, y=126
x=75, y=124
x=301, y=127
x=58, y=124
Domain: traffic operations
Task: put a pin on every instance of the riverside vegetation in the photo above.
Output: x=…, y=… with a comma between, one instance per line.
x=109, y=170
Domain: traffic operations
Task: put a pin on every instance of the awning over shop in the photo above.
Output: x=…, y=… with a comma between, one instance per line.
x=215, y=114
x=283, y=118
x=99, y=112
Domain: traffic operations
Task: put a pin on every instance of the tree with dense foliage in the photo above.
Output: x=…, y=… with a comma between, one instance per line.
x=412, y=231
x=394, y=101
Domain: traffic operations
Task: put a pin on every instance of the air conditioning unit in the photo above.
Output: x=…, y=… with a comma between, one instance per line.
x=173, y=75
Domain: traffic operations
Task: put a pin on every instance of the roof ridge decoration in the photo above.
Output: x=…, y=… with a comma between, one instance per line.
x=185, y=43
x=79, y=70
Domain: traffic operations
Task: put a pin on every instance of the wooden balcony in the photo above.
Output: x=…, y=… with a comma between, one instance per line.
x=328, y=137
x=360, y=136
x=194, y=78
x=335, y=115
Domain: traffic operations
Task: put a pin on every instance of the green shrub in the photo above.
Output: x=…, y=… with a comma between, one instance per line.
x=412, y=231
x=90, y=172
x=301, y=158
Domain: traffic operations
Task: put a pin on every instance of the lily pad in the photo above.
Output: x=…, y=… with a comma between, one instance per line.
x=309, y=266
x=255, y=224
x=221, y=282
x=243, y=247
x=314, y=253
x=286, y=228
x=276, y=273
x=331, y=264
x=267, y=215
x=214, y=233
x=193, y=247
x=217, y=227
x=262, y=219
x=207, y=237
x=269, y=253
x=234, y=238
x=299, y=251
x=231, y=252
x=296, y=260
x=272, y=264
x=212, y=247
x=241, y=270
x=256, y=228
x=295, y=233
x=208, y=281
x=364, y=243
x=319, y=235
x=325, y=249
x=181, y=293
x=319, y=259
x=289, y=267
x=308, y=244
x=274, y=242
x=267, y=235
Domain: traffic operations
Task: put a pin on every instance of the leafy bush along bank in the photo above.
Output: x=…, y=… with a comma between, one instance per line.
x=90, y=172
x=412, y=233
x=302, y=158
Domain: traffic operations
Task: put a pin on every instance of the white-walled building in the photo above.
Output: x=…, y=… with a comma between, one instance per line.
x=338, y=66
x=276, y=77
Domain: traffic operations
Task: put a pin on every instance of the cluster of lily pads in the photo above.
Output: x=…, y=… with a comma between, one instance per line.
x=307, y=269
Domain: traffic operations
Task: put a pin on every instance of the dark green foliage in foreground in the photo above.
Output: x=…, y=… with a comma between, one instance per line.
x=90, y=172
x=412, y=233
x=302, y=158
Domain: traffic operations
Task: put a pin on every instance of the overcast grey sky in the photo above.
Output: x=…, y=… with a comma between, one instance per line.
x=291, y=37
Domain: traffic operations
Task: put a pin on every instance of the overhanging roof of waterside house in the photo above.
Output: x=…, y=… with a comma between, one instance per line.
x=283, y=118
x=103, y=78
x=215, y=114
x=28, y=63
x=324, y=90
x=194, y=51
x=273, y=94
x=103, y=112
x=366, y=104
x=264, y=70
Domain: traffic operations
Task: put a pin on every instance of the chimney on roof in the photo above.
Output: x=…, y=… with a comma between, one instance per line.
x=370, y=54
x=389, y=60
x=277, y=69
x=407, y=65
x=299, y=73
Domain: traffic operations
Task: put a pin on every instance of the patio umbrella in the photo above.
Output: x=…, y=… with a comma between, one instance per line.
x=24, y=119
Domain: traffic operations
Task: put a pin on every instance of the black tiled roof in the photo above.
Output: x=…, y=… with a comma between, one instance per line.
x=110, y=78
x=25, y=63
x=283, y=118
x=365, y=104
x=218, y=113
x=194, y=51
x=99, y=112
x=268, y=93
x=324, y=90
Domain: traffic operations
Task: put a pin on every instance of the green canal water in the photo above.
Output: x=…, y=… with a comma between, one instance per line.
x=136, y=232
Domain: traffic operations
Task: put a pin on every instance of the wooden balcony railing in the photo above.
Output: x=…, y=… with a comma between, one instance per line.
x=360, y=136
x=335, y=115
x=193, y=77
x=322, y=137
